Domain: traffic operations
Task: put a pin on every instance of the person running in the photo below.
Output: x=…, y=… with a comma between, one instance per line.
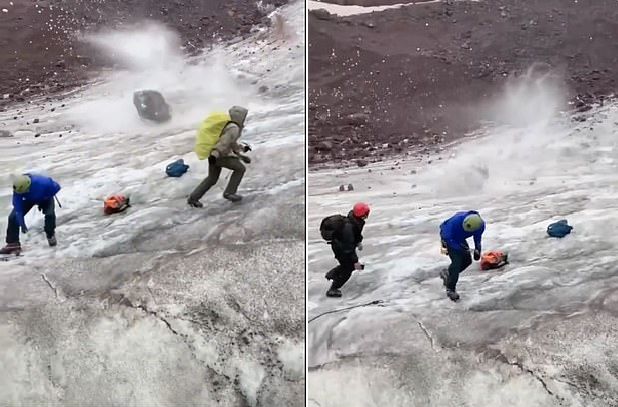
x=217, y=140
x=346, y=238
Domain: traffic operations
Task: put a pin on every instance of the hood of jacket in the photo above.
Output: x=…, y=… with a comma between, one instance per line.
x=238, y=114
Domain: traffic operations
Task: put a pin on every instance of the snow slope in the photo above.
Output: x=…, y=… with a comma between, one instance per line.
x=541, y=332
x=164, y=304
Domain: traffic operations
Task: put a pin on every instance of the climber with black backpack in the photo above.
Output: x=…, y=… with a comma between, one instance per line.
x=344, y=234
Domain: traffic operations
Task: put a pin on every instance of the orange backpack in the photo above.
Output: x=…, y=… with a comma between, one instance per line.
x=115, y=204
x=493, y=260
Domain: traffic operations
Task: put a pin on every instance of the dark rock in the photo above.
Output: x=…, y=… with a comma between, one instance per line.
x=350, y=187
x=361, y=163
x=357, y=118
x=151, y=105
x=322, y=14
x=325, y=146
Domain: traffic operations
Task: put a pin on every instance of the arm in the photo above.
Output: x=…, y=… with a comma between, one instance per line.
x=348, y=244
x=477, y=238
x=55, y=187
x=19, y=211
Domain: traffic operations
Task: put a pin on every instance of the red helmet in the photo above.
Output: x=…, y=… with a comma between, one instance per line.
x=361, y=210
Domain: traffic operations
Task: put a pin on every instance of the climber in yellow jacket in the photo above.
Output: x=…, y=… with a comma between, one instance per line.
x=217, y=140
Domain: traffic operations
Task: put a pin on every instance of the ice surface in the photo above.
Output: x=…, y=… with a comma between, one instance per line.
x=539, y=332
x=164, y=304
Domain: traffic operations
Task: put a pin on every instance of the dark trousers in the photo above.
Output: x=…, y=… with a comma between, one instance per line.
x=214, y=171
x=341, y=273
x=48, y=209
x=460, y=260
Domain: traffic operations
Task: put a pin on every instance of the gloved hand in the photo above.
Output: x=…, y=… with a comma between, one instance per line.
x=24, y=229
x=212, y=159
x=359, y=246
x=359, y=266
x=246, y=147
x=246, y=159
x=477, y=255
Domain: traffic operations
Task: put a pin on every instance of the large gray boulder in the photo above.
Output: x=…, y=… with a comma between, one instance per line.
x=151, y=105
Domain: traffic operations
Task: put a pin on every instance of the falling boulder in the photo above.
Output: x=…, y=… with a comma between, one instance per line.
x=151, y=105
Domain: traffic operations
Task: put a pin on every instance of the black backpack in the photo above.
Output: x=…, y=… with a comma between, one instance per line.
x=331, y=225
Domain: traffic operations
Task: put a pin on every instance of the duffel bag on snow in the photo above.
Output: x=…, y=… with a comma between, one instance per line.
x=559, y=229
x=494, y=260
x=116, y=204
x=177, y=168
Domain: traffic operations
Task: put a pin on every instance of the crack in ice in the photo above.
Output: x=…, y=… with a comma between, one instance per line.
x=54, y=289
x=503, y=358
x=429, y=336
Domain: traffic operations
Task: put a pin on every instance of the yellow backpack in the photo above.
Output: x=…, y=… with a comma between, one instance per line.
x=209, y=133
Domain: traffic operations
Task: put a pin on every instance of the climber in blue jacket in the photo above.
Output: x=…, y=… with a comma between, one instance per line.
x=30, y=190
x=453, y=233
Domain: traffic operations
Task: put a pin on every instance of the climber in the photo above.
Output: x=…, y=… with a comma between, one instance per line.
x=453, y=234
x=217, y=140
x=344, y=235
x=30, y=190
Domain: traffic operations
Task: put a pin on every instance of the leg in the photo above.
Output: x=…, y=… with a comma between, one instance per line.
x=213, y=176
x=238, y=168
x=467, y=261
x=457, y=259
x=332, y=272
x=342, y=275
x=49, y=211
x=12, y=230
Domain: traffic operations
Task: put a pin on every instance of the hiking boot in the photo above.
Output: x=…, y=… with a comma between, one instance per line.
x=11, y=248
x=333, y=293
x=52, y=241
x=452, y=294
x=195, y=204
x=444, y=277
x=329, y=275
x=232, y=197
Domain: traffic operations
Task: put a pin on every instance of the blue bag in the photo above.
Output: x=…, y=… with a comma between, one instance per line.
x=559, y=229
x=177, y=168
